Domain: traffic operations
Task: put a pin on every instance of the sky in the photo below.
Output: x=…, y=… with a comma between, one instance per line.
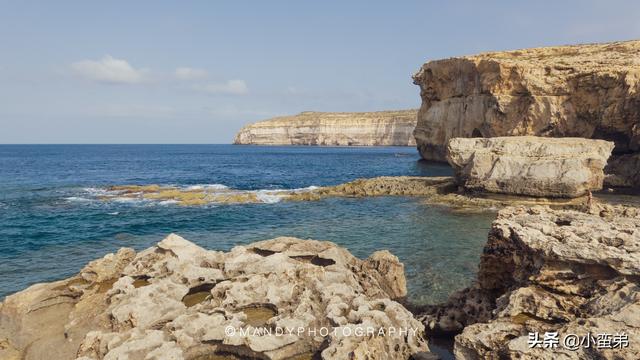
x=197, y=71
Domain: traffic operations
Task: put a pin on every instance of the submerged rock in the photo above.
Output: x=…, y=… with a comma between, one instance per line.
x=529, y=165
x=380, y=128
x=546, y=271
x=587, y=91
x=277, y=299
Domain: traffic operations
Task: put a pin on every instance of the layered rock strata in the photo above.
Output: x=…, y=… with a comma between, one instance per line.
x=588, y=91
x=179, y=301
x=546, y=271
x=529, y=165
x=381, y=128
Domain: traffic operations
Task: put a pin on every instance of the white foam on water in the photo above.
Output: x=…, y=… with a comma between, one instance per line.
x=308, y=188
x=77, y=199
x=114, y=213
x=268, y=197
x=207, y=187
x=128, y=200
x=168, y=202
x=95, y=191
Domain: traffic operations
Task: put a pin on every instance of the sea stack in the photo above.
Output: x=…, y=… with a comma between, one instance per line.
x=380, y=128
x=587, y=91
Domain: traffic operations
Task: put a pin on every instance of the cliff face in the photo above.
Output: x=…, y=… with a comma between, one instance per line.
x=590, y=91
x=338, y=129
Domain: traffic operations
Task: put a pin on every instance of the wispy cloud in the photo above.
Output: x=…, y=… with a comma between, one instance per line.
x=187, y=73
x=109, y=70
x=231, y=87
x=134, y=111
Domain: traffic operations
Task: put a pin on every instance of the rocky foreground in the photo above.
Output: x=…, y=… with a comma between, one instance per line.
x=547, y=271
x=381, y=128
x=542, y=271
x=588, y=91
x=179, y=301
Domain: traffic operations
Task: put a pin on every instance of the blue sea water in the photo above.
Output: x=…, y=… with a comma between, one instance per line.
x=52, y=222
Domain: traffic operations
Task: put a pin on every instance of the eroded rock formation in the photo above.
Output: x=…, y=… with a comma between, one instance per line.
x=546, y=270
x=338, y=129
x=589, y=91
x=179, y=301
x=529, y=165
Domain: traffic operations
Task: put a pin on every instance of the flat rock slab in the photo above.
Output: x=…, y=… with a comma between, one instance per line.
x=529, y=165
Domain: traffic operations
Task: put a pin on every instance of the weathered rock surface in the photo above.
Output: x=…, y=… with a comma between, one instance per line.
x=338, y=129
x=529, y=165
x=589, y=91
x=179, y=301
x=546, y=270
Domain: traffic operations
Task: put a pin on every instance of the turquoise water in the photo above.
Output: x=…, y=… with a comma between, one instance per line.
x=52, y=222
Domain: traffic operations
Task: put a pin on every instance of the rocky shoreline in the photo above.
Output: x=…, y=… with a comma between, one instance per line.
x=542, y=270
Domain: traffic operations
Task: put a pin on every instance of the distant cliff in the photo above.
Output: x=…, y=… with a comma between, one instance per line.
x=333, y=129
x=589, y=91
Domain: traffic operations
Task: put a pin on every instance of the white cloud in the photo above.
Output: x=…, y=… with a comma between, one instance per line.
x=109, y=70
x=231, y=87
x=187, y=73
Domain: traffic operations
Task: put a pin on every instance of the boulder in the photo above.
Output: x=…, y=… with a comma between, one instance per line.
x=588, y=91
x=568, y=272
x=277, y=299
x=528, y=165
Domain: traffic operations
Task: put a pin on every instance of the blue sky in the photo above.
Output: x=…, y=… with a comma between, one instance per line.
x=196, y=71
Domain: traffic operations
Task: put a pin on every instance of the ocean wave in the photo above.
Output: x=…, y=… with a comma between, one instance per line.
x=268, y=197
x=206, y=187
x=190, y=195
x=77, y=199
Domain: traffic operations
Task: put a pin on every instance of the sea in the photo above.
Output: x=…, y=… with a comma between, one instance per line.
x=53, y=219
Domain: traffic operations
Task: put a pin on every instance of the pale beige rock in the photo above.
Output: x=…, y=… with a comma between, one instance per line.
x=529, y=165
x=589, y=91
x=546, y=270
x=176, y=301
x=331, y=128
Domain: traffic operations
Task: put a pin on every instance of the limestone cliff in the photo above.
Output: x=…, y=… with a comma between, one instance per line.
x=590, y=91
x=338, y=129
